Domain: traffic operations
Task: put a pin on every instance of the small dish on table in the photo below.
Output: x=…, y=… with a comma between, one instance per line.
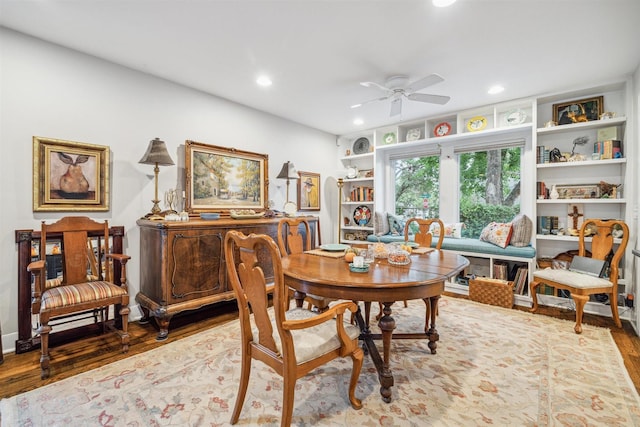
x=363, y=269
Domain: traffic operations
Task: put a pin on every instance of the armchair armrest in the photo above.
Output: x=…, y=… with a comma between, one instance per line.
x=336, y=311
x=35, y=265
x=122, y=260
x=39, y=276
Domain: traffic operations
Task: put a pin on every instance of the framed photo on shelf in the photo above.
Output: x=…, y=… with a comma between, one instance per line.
x=583, y=191
x=581, y=110
x=69, y=176
x=219, y=179
x=309, y=191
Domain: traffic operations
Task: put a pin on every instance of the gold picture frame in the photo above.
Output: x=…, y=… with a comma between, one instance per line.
x=581, y=110
x=219, y=179
x=308, y=191
x=69, y=176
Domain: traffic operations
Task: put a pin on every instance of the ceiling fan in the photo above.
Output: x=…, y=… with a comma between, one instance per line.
x=397, y=87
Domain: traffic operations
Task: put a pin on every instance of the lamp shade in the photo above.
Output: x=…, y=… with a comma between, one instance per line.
x=156, y=154
x=288, y=171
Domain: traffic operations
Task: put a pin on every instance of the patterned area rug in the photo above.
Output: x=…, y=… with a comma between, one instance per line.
x=494, y=367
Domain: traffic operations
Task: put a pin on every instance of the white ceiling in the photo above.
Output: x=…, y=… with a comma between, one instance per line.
x=317, y=51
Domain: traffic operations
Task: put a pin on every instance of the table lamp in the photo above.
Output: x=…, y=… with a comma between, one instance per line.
x=156, y=155
x=288, y=172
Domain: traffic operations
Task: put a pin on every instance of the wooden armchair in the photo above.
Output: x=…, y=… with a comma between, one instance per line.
x=291, y=342
x=85, y=285
x=582, y=286
x=292, y=241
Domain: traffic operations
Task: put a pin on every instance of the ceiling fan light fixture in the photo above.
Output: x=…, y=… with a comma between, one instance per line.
x=496, y=89
x=264, y=81
x=442, y=3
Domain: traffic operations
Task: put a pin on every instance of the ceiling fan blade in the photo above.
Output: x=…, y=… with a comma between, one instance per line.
x=369, y=101
x=374, y=84
x=433, y=99
x=396, y=107
x=425, y=82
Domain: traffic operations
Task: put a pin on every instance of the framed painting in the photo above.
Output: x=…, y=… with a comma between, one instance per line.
x=69, y=176
x=309, y=191
x=219, y=179
x=582, y=110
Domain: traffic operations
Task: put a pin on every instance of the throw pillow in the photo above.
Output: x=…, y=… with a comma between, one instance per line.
x=380, y=223
x=522, y=227
x=396, y=224
x=498, y=233
x=453, y=230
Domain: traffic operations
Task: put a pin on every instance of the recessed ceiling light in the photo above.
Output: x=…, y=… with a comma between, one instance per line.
x=495, y=89
x=358, y=122
x=264, y=81
x=442, y=3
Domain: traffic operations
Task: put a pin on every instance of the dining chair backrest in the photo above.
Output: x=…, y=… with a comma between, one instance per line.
x=292, y=238
x=425, y=233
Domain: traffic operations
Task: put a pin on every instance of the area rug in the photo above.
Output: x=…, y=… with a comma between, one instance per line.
x=493, y=367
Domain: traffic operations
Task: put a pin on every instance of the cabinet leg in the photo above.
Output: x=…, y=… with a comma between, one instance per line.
x=145, y=315
x=163, y=324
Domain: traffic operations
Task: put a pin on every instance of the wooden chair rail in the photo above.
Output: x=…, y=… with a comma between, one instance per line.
x=24, y=239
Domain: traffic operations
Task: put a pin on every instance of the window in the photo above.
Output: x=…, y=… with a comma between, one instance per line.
x=489, y=187
x=417, y=186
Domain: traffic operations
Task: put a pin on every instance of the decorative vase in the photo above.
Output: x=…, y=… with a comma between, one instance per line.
x=554, y=192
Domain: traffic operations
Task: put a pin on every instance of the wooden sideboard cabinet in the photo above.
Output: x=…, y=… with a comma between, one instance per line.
x=182, y=264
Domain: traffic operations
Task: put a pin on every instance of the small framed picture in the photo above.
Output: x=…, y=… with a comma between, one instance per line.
x=309, y=191
x=69, y=176
x=581, y=110
x=583, y=191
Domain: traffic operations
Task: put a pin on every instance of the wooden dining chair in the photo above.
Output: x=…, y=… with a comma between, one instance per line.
x=295, y=237
x=422, y=235
x=85, y=286
x=580, y=285
x=291, y=342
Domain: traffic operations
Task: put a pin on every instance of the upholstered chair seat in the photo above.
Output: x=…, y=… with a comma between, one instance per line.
x=315, y=341
x=577, y=280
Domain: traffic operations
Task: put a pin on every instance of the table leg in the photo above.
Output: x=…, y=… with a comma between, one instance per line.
x=432, y=333
x=385, y=375
x=387, y=324
x=299, y=297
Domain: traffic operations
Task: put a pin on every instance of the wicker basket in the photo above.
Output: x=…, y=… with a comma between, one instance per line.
x=491, y=291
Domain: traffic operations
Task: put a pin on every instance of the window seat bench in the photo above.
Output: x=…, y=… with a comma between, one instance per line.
x=466, y=245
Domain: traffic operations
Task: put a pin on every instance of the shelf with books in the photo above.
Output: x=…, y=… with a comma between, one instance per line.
x=587, y=164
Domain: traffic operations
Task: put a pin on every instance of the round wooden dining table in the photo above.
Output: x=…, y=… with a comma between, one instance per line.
x=423, y=278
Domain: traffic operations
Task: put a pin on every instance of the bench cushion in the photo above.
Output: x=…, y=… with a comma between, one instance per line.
x=466, y=245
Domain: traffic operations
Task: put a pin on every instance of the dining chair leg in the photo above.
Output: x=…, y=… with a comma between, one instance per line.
x=357, y=356
x=613, y=299
x=533, y=290
x=288, y=395
x=245, y=371
x=580, y=301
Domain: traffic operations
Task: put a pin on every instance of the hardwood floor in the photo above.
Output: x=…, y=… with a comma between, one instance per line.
x=21, y=373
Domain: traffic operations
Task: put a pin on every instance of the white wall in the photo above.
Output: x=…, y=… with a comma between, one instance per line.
x=50, y=91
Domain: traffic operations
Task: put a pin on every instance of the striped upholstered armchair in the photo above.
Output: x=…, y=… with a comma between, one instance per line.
x=86, y=284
